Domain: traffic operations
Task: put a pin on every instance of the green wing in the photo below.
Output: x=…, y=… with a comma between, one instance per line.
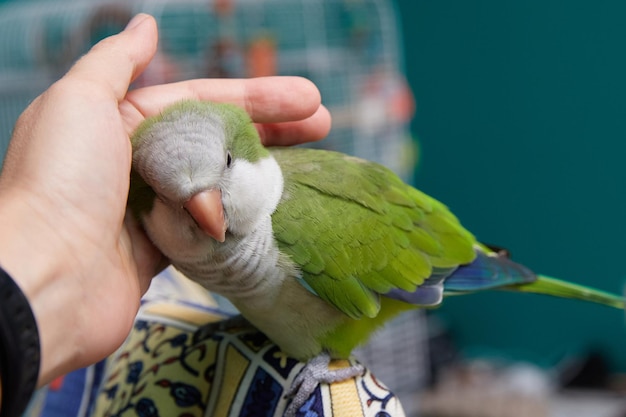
x=357, y=231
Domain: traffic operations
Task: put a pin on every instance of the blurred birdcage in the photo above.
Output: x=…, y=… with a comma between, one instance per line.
x=351, y=49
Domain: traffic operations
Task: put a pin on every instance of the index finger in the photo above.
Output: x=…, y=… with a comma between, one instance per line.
x=287, y=109
x=266, y=99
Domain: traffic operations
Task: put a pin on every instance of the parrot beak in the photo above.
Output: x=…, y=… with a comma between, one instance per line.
x=207, y=210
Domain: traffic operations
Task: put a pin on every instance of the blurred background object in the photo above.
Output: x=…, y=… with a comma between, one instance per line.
x=491, y=388
x=350, y=49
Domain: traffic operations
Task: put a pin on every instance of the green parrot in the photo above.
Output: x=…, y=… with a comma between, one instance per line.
x=317, y=249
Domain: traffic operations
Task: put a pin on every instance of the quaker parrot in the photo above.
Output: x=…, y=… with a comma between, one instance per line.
x=315, y=248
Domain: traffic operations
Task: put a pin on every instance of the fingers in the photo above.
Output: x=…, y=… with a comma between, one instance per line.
x=116, y=61
x=266, y=99
x=286, y=109
x=311, y=129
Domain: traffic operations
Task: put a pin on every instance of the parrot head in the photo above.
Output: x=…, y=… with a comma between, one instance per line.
x=208, y=171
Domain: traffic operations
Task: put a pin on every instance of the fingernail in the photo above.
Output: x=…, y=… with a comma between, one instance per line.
x=136, y=21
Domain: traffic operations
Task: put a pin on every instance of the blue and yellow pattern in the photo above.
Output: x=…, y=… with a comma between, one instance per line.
x=166, y=370
x=188, y=357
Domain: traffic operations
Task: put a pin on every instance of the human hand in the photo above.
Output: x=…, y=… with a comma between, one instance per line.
x=82, y=263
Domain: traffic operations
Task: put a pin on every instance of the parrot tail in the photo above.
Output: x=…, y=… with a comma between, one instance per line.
x=558, y=288
x=494, y=270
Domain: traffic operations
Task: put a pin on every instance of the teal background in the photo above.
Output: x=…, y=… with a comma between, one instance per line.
x=521, y=119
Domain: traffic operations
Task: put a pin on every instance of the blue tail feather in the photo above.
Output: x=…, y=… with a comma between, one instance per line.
x=487, y=271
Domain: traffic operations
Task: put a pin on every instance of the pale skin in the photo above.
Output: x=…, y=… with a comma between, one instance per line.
x=66, y=240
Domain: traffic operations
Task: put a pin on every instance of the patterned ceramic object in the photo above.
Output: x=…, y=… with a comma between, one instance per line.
x=170, y=368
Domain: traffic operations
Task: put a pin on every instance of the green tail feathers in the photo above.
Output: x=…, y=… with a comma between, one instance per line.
x=559, y=288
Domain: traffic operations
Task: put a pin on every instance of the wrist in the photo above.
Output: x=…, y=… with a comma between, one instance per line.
x=28, y=255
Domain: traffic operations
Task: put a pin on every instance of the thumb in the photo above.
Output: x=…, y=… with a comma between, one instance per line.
x=116, y=61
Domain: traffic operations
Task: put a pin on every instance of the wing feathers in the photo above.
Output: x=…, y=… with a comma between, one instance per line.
x=357, y=231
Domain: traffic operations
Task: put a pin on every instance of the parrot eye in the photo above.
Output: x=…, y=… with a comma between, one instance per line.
x=229, y=159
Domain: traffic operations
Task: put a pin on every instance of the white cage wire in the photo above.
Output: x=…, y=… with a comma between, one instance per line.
x=351, y=49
